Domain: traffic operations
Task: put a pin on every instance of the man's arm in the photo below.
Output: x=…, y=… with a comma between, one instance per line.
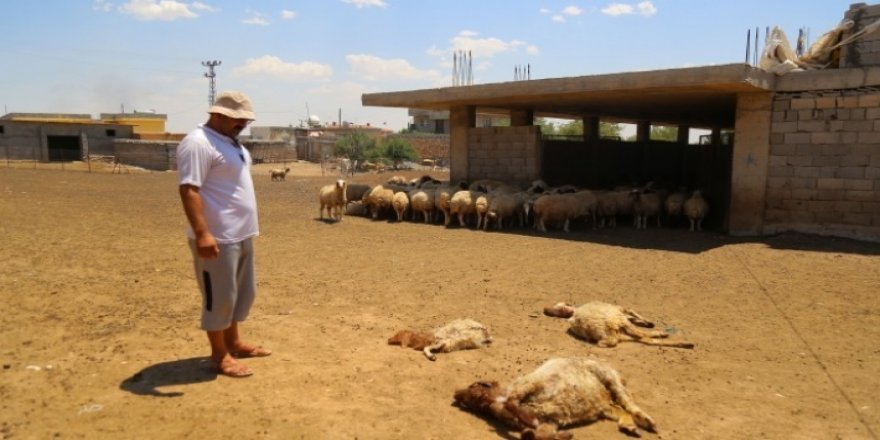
x=206, y=244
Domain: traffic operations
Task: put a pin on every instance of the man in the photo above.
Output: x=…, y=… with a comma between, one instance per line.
x=219, y=201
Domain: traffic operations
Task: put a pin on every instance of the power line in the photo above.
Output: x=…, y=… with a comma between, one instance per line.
x=210, y=75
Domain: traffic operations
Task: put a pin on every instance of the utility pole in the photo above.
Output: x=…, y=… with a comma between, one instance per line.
x=210, y=75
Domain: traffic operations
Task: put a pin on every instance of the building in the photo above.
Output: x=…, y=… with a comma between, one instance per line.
x=805, y=151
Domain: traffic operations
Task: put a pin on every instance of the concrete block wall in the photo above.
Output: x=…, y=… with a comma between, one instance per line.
x=508, y=154
x=866, y=50
x=824, y=164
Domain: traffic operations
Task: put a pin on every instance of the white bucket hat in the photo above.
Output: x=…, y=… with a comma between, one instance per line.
x=234, y=105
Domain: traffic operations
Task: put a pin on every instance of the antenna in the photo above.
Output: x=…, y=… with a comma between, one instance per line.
x=210, y=75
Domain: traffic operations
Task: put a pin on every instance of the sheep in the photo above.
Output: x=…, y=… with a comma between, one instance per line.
x=606, y=208
x=422, y=200
x=397, y=180
x=333, y=197
x=354, y=192
x=555, y=208
x=561, y=392
x=442, y=195
x=278, y=174
x=484, y=185
x=674, y=204
x=696, y=208
x=587, y=205
x=460, y=334
x=463, y=204
x=645, y=203
x=503, y=206
x=400, y=203
x=481, y=209
x=378, y=199
x=602, y=324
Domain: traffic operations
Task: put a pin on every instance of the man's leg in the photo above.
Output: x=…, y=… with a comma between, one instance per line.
x=222, y=358
x=238, y=348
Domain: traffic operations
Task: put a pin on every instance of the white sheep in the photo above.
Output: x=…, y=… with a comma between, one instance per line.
x=481, y=209
x=603, y=324
x=460, y=334
x=378, y=199
x=463, y=204
x=279, y=174
x=422, y=201
x=696, y=208
x=397, y=180
x=400, y=203
x=332, y=197
x=645, y=203
x=561, y=392
x=674, y=204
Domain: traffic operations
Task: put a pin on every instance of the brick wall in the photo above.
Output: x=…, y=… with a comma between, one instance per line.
x=824, y=164
x=509, y=154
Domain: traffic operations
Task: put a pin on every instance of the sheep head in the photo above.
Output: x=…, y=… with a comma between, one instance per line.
x=560, y=310
x=412, y=338
x=487, y=397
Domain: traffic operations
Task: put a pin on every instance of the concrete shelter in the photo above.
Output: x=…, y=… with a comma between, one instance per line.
x=791, y=139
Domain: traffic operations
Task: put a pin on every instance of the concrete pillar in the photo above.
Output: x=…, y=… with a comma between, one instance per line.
x=461, y=120
x=591, y=128
x=683, y=134
x=519, y=118
x=643, y=131
x=751, y=150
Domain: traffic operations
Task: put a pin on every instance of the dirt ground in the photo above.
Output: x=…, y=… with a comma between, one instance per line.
x=100, y=336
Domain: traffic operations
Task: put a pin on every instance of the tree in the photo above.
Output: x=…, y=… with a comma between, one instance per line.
x=547, y=127
x=398, y=150
x=664, y=133
x=355, y=146
x=608, y=130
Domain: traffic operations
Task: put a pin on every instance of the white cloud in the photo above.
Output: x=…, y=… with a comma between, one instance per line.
x=102, y=5
x=256, y=18
x=531, y=49
x=545, y=11
x=203, y=7
x=272, y=66
x=558, y=18
x=647, y=8
x=287, y=15
x=616, y=9
x=483, y=47
x=573, y=11
x=373, y=68
x=166, y=10
x=366, y=3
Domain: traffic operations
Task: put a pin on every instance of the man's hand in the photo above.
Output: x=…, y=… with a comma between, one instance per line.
x=207, y=247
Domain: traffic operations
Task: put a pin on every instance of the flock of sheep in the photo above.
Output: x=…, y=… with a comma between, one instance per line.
x=563, y=391
x=491, y=203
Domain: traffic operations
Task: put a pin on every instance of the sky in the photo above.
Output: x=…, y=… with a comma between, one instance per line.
x=296, y=58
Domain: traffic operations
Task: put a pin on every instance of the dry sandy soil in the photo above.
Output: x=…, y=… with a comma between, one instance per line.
x=100, y=334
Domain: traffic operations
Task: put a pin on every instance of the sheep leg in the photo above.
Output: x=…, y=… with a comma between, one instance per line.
x=619, y=394
x=692, y=224
x=700, y=224
x=565, y=225
x=429, y=350
x=650, y=337
x=637, y=319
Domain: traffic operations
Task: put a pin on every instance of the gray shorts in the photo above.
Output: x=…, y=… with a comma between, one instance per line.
x=228, y=284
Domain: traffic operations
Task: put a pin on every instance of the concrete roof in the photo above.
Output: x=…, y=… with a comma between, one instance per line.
x=696, y=96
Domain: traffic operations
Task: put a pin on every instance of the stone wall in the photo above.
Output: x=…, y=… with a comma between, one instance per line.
x=509, y=154
x=824, y=164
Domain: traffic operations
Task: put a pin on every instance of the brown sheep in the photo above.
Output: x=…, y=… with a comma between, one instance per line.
x=460, y=334
x=603, y=323
x=561, y=392
x=279, y=174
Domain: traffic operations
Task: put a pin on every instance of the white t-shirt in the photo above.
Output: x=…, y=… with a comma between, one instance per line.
x=220, y=167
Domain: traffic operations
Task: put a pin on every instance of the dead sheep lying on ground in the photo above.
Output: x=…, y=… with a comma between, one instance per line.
x=460, y=334
x=279, y=174
x=561, y=392
x=332, y=197
x=603, y=323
